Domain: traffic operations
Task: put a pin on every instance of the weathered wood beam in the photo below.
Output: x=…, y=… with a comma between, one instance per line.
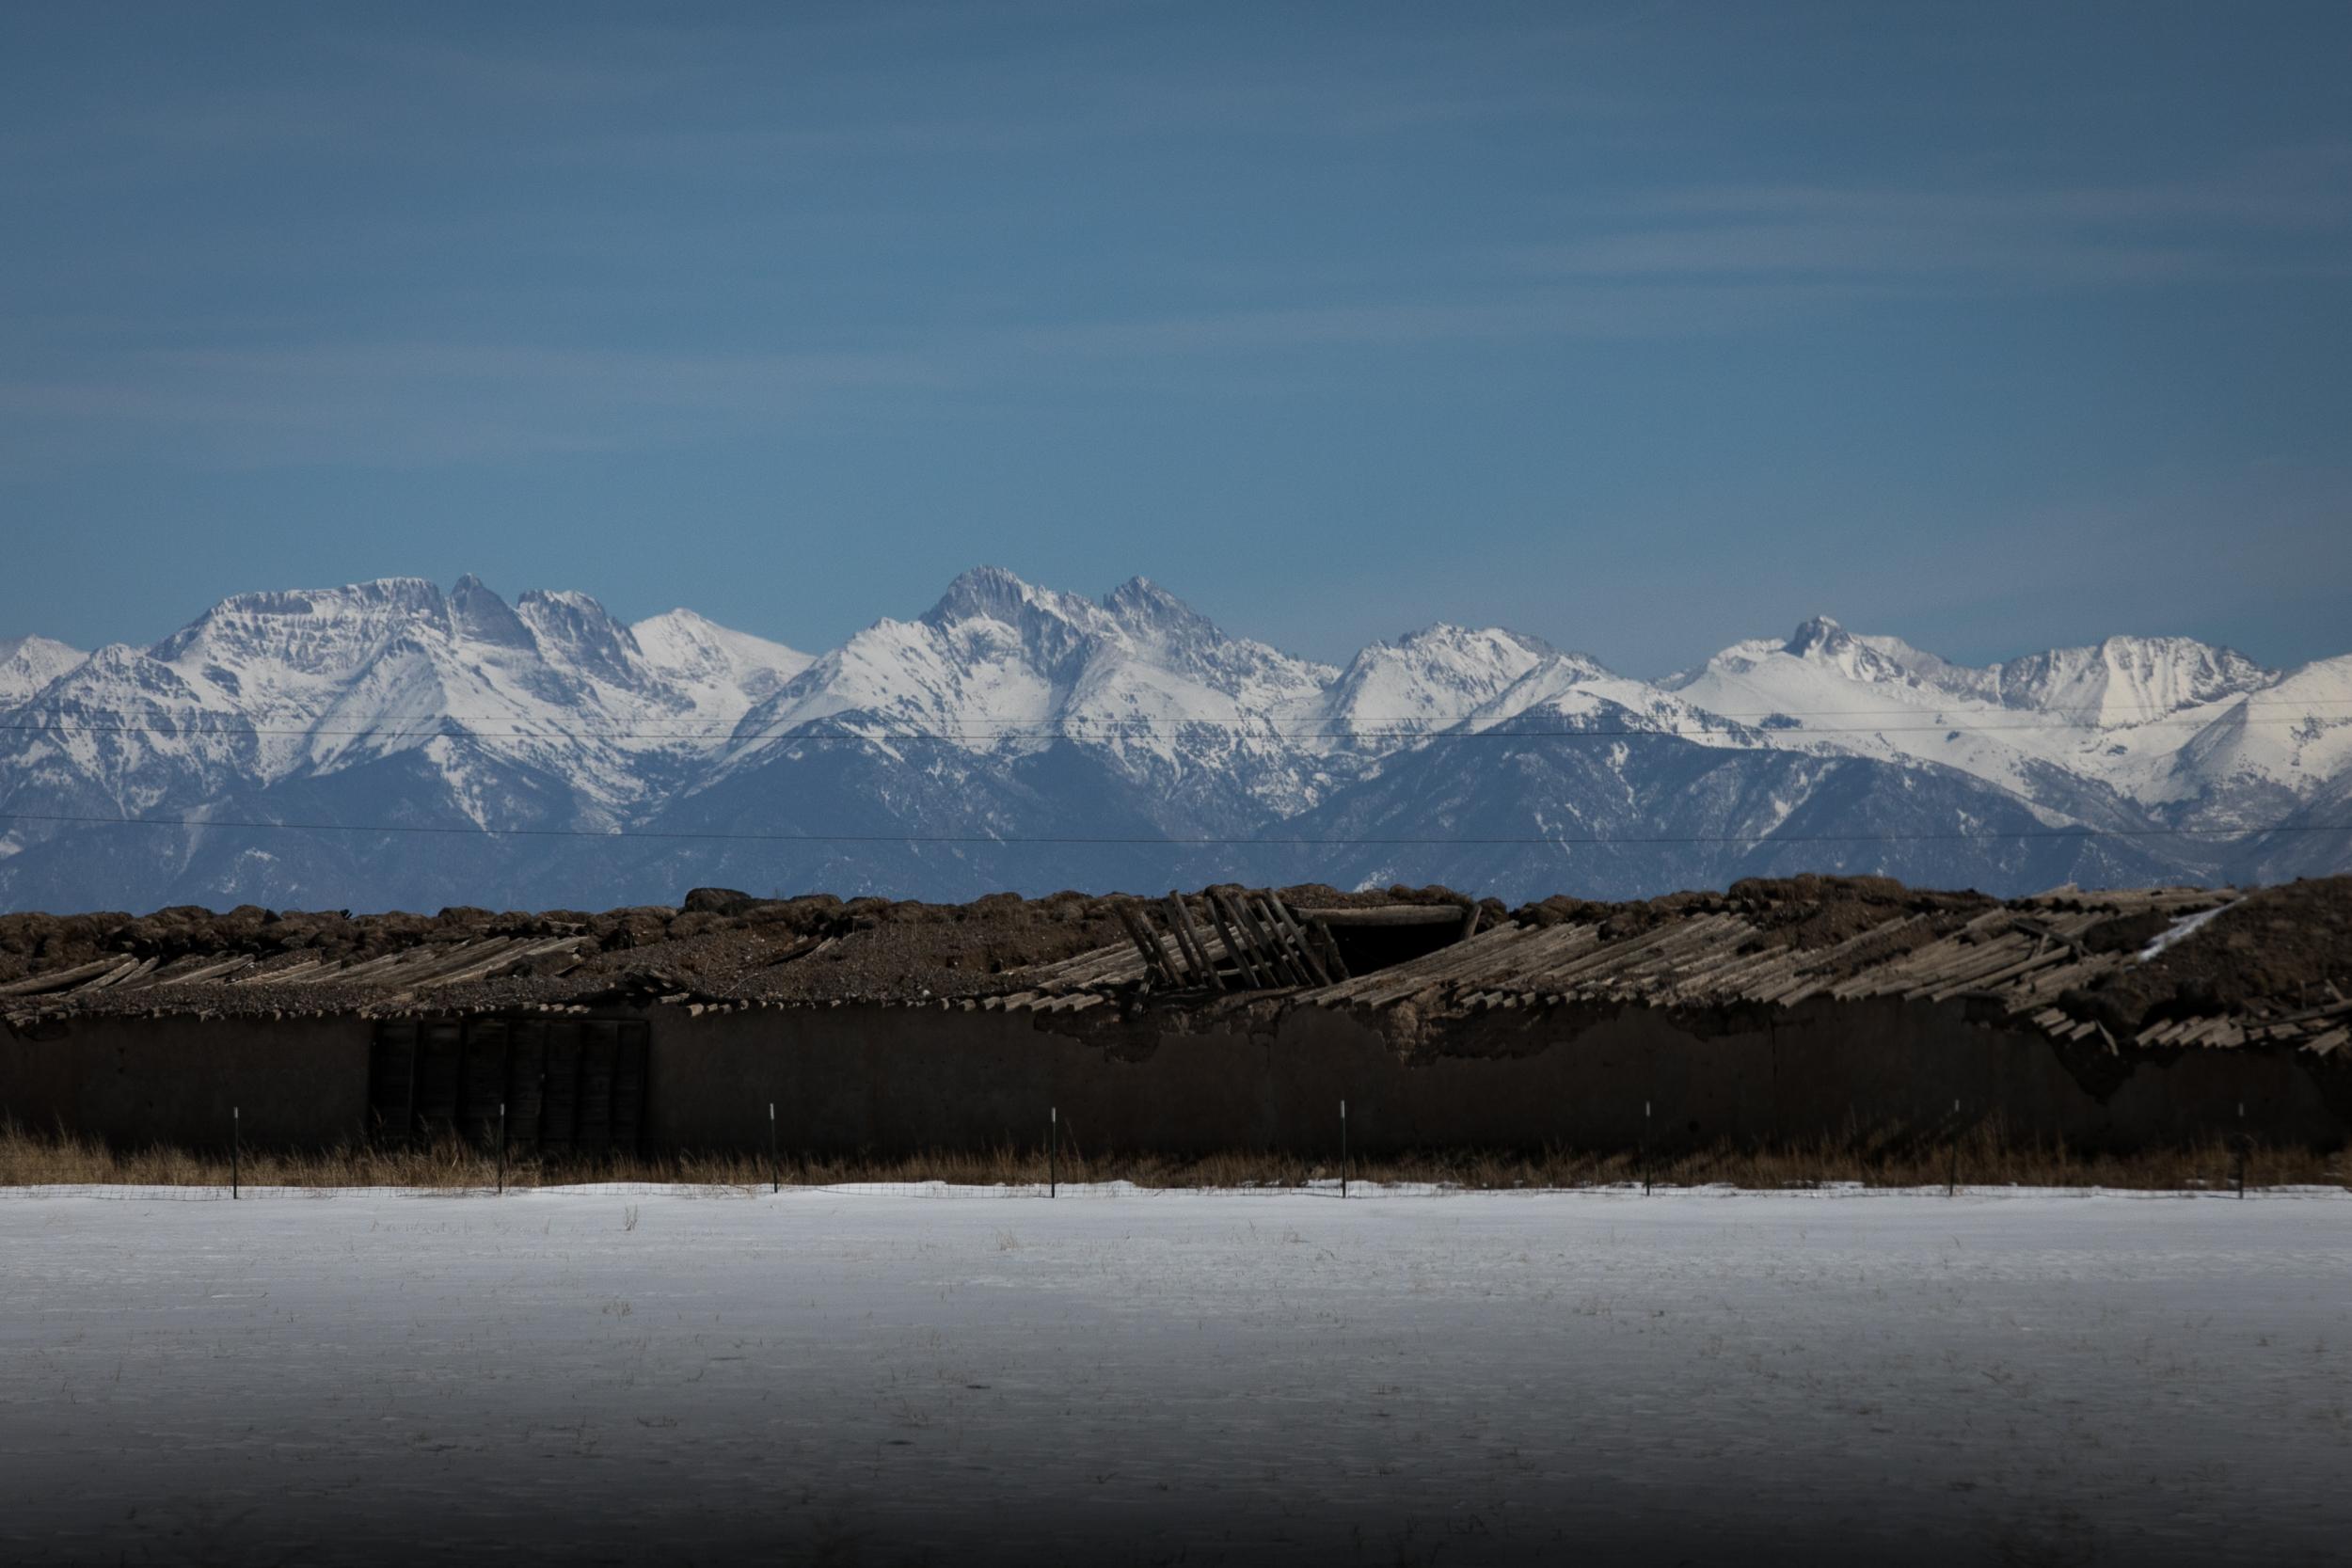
x=1283, y=919
x=1394, y=914
x=1270, y=941
x=1195, y=948
x=1147, y=944
x=58, y=978
x=1229, y=930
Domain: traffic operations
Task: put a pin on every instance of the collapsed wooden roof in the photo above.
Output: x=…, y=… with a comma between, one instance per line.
x=2026, y=961
x=410, y=973
x=2018, y=958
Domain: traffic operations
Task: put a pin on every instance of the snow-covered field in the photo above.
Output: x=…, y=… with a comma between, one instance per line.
x=600, y=1375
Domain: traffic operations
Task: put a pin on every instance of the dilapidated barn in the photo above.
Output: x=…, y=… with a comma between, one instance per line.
x=1229, y=1019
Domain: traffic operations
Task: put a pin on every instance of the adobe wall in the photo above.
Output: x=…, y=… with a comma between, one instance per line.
x=893, y=1080
x=851, y=1078
x=136, y=1081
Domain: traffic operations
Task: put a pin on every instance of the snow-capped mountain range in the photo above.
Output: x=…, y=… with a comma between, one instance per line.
x=411, y=747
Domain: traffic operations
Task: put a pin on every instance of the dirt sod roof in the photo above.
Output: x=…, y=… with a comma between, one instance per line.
x=2178, y=966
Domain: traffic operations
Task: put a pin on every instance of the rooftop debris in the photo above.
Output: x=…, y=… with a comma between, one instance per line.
x=2105, y=970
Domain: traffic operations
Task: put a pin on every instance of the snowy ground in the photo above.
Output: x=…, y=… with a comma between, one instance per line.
x=608, y=1375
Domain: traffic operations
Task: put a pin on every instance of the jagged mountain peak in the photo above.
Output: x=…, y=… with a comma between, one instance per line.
x=1146, y=609
x=724, y=668
x=29, y=663
x=2129, y=680
x=1447, y=634
x=1816, y=635
x=480, y=615
x=1010, y=709
x=258, y=619
x=998, y=594
x=1440, y=674
x=36, y=644
x=574, y=630
x=1823, y=642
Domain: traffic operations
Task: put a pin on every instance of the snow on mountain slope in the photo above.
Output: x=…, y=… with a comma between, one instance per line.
x=1427, y=680
x=1642, y=806
x=718, y=671
x=2251, y=758
x=1585, y=697
x=546, y=711
x=2087, y=733
x=2128, y=680
x=29, y=663
x=1826, y=690
x=1014, y=735
x=999, y=667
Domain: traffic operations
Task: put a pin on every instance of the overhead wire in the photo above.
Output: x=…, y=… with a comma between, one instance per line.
x=1104, y=728
x=1177, y=840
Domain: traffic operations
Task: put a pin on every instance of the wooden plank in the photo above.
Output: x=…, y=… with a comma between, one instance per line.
x=482, y=966
x=1228, y=932
x=1490, y=950
x=1147, y=944
x=2037, y=958
x=1478, y=961
x=277, y=977
x=1603, y=959
x=1276, y=940
x=365, y=970
x=211, y=970
x=2055, y=931
x=39, y=983
x=1191, y=935
x=120, y=980
x=1187, y=962
x=1282, y=937
x=462, y=956
x=1102, y=966
x=1288, y=925
x=121, y=970
x=1327, y=945
x=1394, y=914
x=1508, y=952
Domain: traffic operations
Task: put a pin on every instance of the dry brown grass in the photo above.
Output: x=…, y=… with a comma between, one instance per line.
x=1984, y=1159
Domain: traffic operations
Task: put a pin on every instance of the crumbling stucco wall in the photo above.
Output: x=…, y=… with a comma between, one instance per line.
x=851, y=1079
x=886, y=1081
x=173, y=1080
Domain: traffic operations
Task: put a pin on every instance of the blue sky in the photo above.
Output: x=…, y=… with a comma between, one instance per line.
x=1636, y=327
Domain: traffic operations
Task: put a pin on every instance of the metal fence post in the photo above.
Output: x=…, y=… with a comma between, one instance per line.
x=502, y=1147
x=1053, y=1151
x=1342, y=1149
x=1951, y=1186
x=1646, y=1148
x=2241, y=1150
x=236, y=1115
x=775, y=1167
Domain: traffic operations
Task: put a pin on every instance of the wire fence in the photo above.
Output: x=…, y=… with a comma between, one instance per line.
x=1946, y=1152
x=1108, y=1192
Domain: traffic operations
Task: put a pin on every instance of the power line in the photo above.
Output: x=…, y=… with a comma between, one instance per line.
x=1115, y=839
x=1059, y=729
x=723, y=720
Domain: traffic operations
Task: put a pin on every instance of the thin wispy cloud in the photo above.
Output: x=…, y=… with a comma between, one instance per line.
x=1427, y=290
